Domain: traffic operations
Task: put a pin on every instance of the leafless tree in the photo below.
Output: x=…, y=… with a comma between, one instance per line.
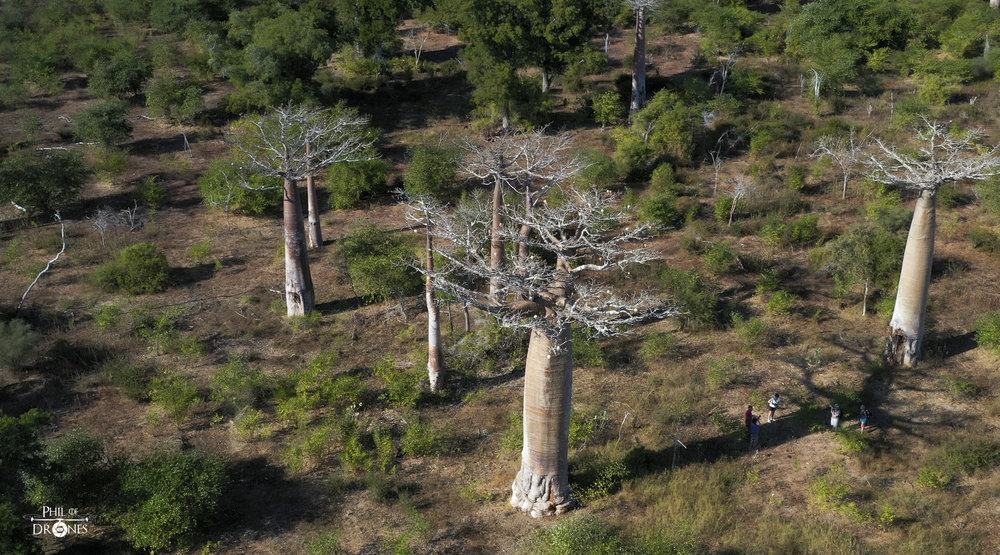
x=725, y=143
x=414, y=41
x=817, y=83
x=546, y=293
x=105, y=220
x=741, y=188
x=847, y=152
x=642, y=10
x=293, y=142
x=721, y=76
x=422, y=210
x=527, y=163
x=943, y=155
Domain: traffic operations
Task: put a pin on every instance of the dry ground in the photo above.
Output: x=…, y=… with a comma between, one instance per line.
x=825, y=344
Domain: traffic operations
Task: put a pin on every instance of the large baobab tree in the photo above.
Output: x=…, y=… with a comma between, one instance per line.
x=943, y=155
x=547, y=292
x=846, y=151
x=293, y=142
x=642, y=10
x=526, y=163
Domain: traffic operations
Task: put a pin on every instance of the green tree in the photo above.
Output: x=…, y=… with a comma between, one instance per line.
x=42, y=182
x=20, y=453
x=226, y=187
x=865, y=254
x=168, y=497
x=433, y=167
x=608, y=108
x=177, y=100
x=141, y=268
x=104, y=124
x=375, y=263
x=122, y=76
x=370, y=25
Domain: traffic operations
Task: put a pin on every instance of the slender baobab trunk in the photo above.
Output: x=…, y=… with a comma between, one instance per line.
x=315, y=233
x=546, y=80
x=435, y=364
x=496, y=244
x=542, y=485
x=639, y=62
x=864, y=300
x=607, y=42
x=906, y=329
x=843, y=194
x=300, y=298
x=732, y=210
x=995, y=4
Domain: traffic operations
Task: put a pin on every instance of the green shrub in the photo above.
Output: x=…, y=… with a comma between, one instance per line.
x=76, y=470
x=795, y=178
x=108, y=317
x=781, y=302
x=175, y=99
x=110, y=164
x=598, y=476
x=122, y=76
x=175, y=393
x=751, y=332
x=376, y=263
x=421, y=439
x=385, y=450
x=131, y=378
x=327, y=543
x=104, y=124
x=852, y=441
x=657, y=345
x=697, y=298
x=138, y=269
x=220, y=187
x=988, y=192
x=984, y=240
x=964, y=454
x=725, y=372
x=42, y=182
x=249, y=423
x=662, y=211
x=722, y=207
x=768, y=281
x=432, y=169
x=931, y=478
x=988, y=332
x=632, y=154
x=719, y=258
x=347, y=182
x=353, y=456
x=402, y=387
x=513, y=437
x=17, y=341
x=153, y=194
x=240, y=386
x=608, y=108
x=599, y=169
x=587, y=349
x=583, y=534
x=170, y=497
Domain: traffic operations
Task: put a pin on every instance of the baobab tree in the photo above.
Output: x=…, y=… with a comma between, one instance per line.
x=527, y=163
x=944, y=155
x=642, y=10
x=546, y=293
x=846, y=151
x=293, y=142
x=421, y=210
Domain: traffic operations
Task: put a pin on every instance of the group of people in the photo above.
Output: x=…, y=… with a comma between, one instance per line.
x=753, y=420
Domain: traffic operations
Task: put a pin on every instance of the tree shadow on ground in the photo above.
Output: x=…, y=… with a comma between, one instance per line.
x=263, y=501
x=192, y=274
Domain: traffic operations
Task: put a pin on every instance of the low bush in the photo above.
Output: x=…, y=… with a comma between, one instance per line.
x=422, y=439
x=76, y=470
x=347, y=182
x=697, y=298
x=984, y=240
x=376, y=264
x=241, y=386
x=988, y=332
x=583, y=534
x=175, y=393
x=17, y=341
x=781, y=302
x=432, y=169
x=131, y=378
x=719, y=258
x=402, y=387
x=138, y=269
x=587, y=350
x=170, y=497
x=657, y=345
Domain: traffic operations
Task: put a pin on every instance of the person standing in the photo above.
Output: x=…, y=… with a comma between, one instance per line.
x=864, y=414
x=747, y=418
x=755, y=434
x=772, y=405
x=835, y=416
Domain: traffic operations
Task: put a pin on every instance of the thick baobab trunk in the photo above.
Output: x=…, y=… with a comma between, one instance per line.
x=300, y=298
x=496, y=244
x=906, y=329
x=312, y=206
x=542, y=485
x=639, y=62
x=435, y=365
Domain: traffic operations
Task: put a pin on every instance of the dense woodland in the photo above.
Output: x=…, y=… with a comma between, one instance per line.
x=538, y=258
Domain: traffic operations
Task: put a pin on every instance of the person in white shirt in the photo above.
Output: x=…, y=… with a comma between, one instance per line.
x=772, y=405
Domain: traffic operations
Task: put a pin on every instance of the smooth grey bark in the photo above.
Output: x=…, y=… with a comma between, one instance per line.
x=496, y=243
x=300, y=298
x=906, y=328
x=542, y=484
x=312, y=206
x=435, y=361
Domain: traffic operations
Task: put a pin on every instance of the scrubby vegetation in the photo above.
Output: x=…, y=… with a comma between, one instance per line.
x=152, y=381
